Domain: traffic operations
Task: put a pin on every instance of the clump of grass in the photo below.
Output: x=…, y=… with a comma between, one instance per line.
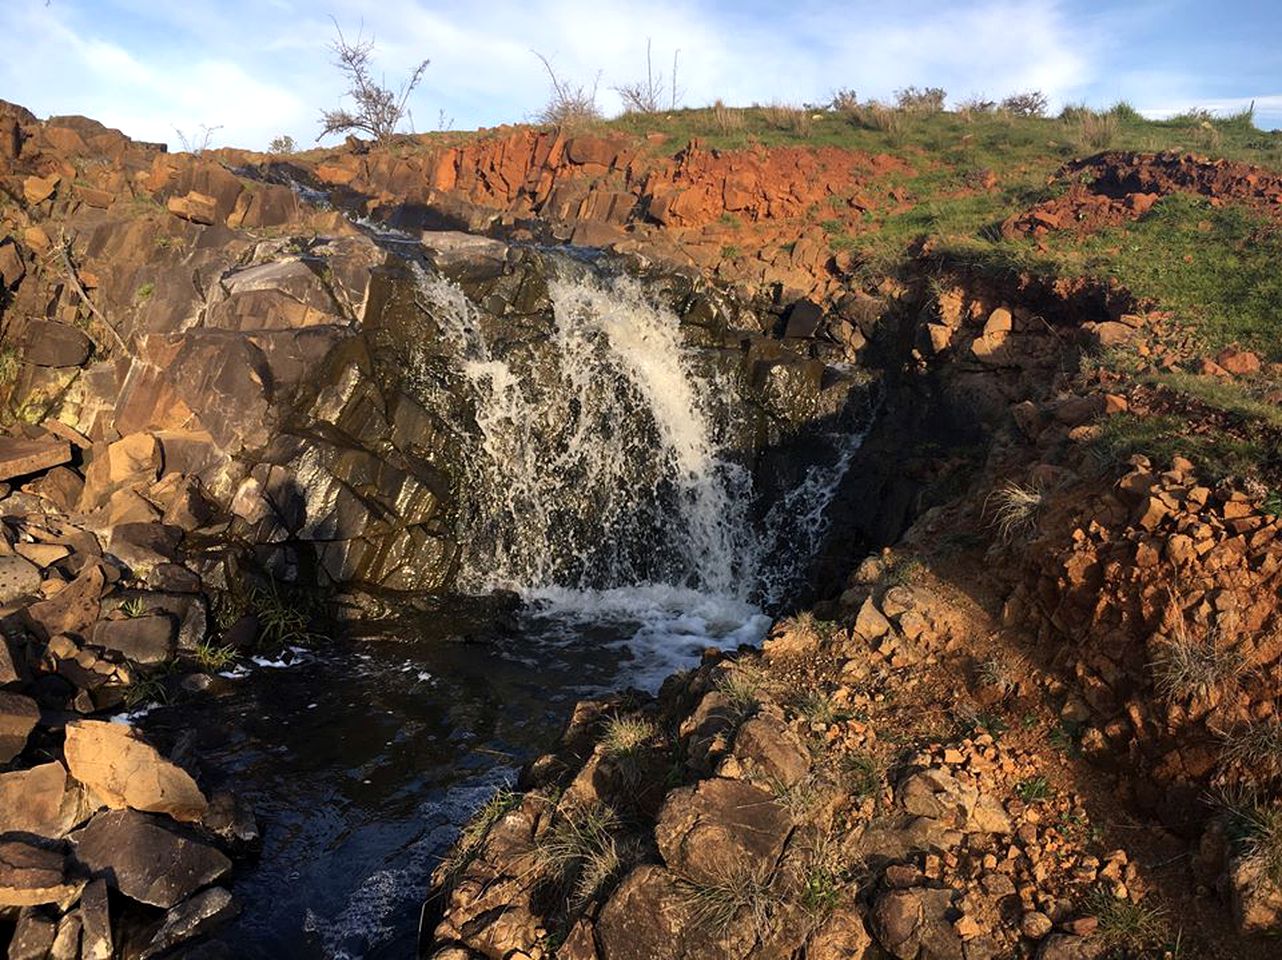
x=282, y=622
x=741, y=897
x=1096, y=131
x=1033, y=789
x=1257, y=749
x=999, y=671
x=582, y=852
x=1187, y=666
x=743, y=687
x=144, y=292
x=790, y=119
x=134, y=607
x=815, y=706
x=863, y=773
x=211, y=657
x=1014, y=509
x=797, y=798
x=626, y=737
x=474, y=832
x=1255, y=829
x=727, y=119
x=146, y=688
x=1126, y=924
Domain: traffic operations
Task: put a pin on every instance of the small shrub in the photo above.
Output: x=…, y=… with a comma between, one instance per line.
x=1014, y=510
x=197, y=143
x=648, y=96
x=843, y=101
x=1031, y=103
x=378, y=110
x=876, y=116
x=143, y=293
x=1125, y=113
x=569, y=105
x=975, y=106
x=282, y=145
x=913, y=100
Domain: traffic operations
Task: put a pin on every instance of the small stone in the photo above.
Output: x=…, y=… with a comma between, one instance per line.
x=19, y=577
x=1035, y=925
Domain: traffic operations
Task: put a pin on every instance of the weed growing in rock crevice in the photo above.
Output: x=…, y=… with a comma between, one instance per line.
x=1014, y=509
x=584, y=852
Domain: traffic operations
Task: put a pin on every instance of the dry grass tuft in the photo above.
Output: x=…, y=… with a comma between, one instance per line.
x=727, y=119
x=582, y=853
x=1014, y=509
x=1257, y=749
x=1096, y=131
x=1194, y=667
x=742, y=897
x=625, y=737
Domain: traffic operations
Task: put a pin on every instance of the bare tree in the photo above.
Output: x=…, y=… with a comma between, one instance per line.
x=379, y=109
x=570, y=104
x=647, y=96
x=197, y=143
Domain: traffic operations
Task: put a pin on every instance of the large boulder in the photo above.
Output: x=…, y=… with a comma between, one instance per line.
x=123, y=770
x=145, y=640
x=719, y=829
x=146, y=859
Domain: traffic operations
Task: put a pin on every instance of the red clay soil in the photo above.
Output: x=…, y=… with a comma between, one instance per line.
x=1109, y=189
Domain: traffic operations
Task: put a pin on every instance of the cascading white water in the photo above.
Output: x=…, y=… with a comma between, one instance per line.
x=602, y=487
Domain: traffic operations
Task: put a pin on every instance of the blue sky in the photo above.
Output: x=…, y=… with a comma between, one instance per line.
x=258, y=68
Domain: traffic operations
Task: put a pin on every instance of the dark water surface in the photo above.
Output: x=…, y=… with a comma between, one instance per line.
x=362, y=759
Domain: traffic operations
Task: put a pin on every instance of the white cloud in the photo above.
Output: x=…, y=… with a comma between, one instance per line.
x=260, y=69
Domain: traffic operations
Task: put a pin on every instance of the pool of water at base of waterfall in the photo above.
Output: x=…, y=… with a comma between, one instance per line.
x=362, y=759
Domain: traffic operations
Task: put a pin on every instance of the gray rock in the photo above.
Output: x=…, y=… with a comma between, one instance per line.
x=145, y=640
x=146, y=859
x=32, y=936
x=192, y=918
x=18, y=578
x=95, y=923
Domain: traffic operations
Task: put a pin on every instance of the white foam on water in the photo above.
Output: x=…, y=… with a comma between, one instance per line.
x=663, y=628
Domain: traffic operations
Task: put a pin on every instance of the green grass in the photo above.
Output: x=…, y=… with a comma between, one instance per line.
x=583, y=852
x=211, y=658
x=1032, y=789
x=144, y=292
x=1125, y=924
x=1216, y=267
x=1162, y=436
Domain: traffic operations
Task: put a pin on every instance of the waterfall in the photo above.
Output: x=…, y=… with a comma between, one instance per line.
x=603, y=483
